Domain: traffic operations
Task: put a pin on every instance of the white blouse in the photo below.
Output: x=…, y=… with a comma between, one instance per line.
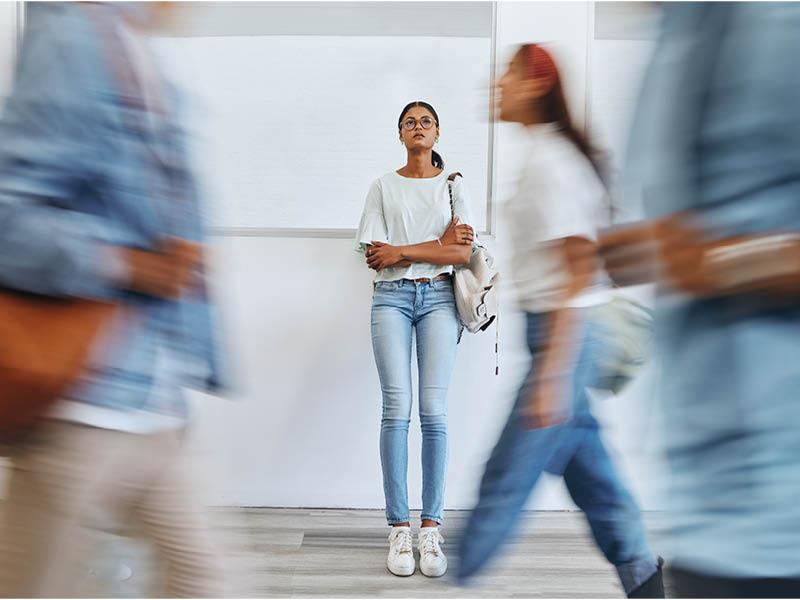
x=402, y=211
x=558, y=195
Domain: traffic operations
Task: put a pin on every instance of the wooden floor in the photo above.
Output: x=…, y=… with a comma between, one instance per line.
x=281, y=553
x=332, y=553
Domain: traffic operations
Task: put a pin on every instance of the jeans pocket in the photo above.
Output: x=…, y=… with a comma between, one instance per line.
x=443, y=293
x=387, y=286
x=386, y=293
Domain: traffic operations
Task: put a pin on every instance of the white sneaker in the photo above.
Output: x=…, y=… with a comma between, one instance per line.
x=432, y=561
x=401, y=552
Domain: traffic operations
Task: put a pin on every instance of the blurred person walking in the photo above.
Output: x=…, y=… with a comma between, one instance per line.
x=97, y=201
x=560, y=205
x=717, y=148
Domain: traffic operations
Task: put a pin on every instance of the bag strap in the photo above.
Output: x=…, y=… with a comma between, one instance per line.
x=497, y=340
x=450, y=180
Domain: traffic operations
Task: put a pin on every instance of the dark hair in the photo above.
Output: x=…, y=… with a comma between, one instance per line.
x=436, y=158
x=554, y=109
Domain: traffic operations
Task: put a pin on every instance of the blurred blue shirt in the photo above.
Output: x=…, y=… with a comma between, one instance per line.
x=719, y=129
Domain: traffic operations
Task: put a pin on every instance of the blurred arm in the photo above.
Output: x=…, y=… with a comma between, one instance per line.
x=629, y=254
x=580, y=259
x=549, y=390
x=767, y=264
x=741, y=237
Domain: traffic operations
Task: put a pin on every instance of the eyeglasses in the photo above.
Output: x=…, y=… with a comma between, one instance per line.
x=411, y=123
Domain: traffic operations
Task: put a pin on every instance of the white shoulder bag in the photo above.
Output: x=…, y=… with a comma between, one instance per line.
x=474, y=284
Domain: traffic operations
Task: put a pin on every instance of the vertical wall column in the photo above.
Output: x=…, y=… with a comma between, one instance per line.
x=8, y=45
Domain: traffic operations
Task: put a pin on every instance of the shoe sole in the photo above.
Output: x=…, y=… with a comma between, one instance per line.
x=414, y=570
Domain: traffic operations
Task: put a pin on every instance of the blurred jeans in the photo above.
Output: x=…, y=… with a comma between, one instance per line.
x=573, y=450
x=397, y=308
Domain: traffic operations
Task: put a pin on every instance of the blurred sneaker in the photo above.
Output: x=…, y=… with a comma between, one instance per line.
x=654, y=586
x=432, y=561
x=401, y=552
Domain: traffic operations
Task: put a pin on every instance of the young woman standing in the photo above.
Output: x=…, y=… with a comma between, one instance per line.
x=411, y=240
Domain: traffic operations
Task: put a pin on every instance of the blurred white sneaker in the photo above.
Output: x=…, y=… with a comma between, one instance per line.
x=401, y=552
x=432, y=561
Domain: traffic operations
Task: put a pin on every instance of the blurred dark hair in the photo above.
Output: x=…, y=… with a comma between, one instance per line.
x=436, y=158
x=554, y=108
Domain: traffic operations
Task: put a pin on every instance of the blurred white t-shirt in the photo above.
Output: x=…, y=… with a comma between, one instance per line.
x=558, y=195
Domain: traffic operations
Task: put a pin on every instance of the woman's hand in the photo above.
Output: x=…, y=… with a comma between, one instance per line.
x=382, y=256
x=549, y=397
x=456, y=233
x=547, y=401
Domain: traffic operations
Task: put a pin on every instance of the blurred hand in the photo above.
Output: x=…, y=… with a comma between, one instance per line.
x=681, y=251
x=166, y=273
x=689, y=264
x=682, y=255
x=456, y=233
x=382, y=256
x=630, y=254
x=668, y=248
x=548, y=398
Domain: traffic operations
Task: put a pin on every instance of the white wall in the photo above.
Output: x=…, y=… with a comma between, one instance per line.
x=8, y=39
x=304, y=431
x=303, y=427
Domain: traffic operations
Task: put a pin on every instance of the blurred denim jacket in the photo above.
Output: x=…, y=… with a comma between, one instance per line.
x=718, y=135
x=76, y=180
